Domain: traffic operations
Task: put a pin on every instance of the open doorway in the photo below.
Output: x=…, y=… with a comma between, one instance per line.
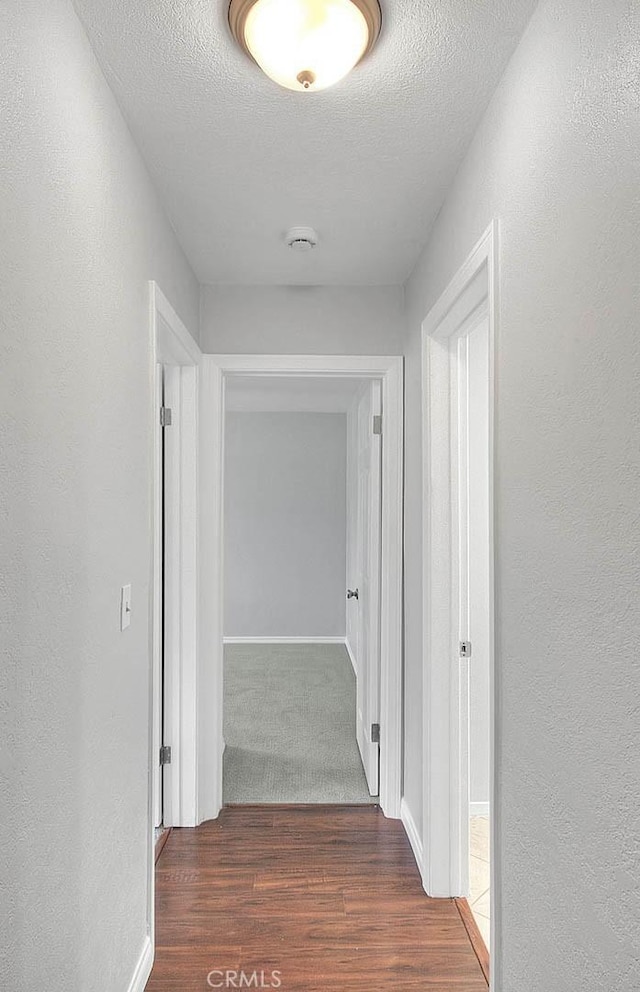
x=217, y=374
x=302, y=499
x=459, y=786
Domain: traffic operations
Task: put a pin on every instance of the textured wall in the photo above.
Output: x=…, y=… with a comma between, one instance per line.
x=305, y=320
x=556, y=161
x=285, y=524
x=81, y=234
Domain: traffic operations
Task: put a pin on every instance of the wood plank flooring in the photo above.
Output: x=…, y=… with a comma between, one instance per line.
x=316, y=898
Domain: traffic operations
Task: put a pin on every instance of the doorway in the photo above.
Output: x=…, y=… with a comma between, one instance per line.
x=175, y=360
x=302, y=503
x=217, y=374
x=459, y=787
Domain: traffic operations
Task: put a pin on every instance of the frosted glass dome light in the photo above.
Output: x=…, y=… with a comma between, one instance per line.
x=306, y=45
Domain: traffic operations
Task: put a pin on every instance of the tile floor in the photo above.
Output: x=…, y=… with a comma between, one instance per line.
x=479, y=900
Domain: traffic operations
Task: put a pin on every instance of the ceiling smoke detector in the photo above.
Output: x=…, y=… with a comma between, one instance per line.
x=306, y=45
x=302, y=239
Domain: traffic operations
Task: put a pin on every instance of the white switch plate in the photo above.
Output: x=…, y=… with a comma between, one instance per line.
x=125, y=607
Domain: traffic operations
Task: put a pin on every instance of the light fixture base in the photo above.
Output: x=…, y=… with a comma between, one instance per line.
x=239, y=11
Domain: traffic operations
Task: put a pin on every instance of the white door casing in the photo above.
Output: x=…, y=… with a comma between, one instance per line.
x=448, y=579
x=215, y=370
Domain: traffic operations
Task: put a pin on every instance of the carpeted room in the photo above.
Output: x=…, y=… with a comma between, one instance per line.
x=289, y=725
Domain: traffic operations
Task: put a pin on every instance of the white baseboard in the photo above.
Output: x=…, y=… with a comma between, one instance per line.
x=478, y=809
x=415, y=840
x=143, y=967
x=284, y=640
x=352, y=657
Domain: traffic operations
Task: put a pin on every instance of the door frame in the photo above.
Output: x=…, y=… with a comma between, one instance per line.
x=173, y=346
x=445, y=737
x=215, y=370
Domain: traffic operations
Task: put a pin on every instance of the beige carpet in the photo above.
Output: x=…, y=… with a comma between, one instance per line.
x=289, y=726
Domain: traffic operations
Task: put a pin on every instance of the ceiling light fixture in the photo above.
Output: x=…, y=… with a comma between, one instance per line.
x=306, y=45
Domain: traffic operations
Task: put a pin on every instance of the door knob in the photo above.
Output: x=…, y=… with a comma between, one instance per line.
x=352, y=594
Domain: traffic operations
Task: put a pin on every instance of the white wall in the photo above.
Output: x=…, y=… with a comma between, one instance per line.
x=285, y=524
x=556, y=161
x=304, y=320
x=82, y=233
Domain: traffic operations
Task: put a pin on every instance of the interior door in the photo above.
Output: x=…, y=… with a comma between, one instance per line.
x=367, y=605
x=158, y=583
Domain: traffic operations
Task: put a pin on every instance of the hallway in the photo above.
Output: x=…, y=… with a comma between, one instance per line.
x=329, y=898
x=355, y=358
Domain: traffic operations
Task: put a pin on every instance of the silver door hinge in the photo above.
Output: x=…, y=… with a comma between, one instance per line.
x=465, y=649
x=375, y=733
x=377, y=424
x=166, y=416
x=165, y=755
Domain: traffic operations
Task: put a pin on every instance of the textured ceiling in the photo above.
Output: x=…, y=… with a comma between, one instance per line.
x=238, y=160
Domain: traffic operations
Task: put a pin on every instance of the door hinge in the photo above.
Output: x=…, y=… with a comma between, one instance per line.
x=465, y=649
x=165, y=755
x=377, y=424
x=166, y=416
x=375, y=733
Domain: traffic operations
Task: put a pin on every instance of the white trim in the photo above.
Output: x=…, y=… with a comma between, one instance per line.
x=352, y=657
x=444, y=832
x=389, y=370
x=479, y=809
x=174, y=348
x=210, y=699
x=314, y=366
x=412, y=833
x=172, y=338
x=143, y=968
x=284, y=640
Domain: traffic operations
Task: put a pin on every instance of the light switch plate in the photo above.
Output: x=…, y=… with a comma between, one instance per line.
x=125, y=607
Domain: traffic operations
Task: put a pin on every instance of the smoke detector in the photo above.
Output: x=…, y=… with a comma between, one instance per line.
x=301, y=239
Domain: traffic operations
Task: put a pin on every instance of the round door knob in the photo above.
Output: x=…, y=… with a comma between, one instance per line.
x=352, y=594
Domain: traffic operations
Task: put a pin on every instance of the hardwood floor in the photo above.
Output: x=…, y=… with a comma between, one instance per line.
x=313, y=898
x=475, y=936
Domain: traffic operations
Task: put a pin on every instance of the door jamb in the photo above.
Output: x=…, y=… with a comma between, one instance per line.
x=215, y=370
x=475, y=285
x=173, y=345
